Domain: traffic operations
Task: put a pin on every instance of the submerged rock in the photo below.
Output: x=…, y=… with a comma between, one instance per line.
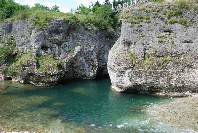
x=82, y=52
x=157, y=50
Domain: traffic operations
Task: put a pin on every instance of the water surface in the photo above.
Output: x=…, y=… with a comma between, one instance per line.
x=80, y=106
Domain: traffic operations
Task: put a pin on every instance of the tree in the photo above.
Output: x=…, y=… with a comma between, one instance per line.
x=107, y=2
x=95, y=6
x=55, y=8
x=8, y=8
x=41, y=7
x=115, y=4
x=83, y=10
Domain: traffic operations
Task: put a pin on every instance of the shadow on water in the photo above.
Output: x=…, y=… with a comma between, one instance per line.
x=85, y=103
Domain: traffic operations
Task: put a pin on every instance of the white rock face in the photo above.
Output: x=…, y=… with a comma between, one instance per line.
x=156, y=56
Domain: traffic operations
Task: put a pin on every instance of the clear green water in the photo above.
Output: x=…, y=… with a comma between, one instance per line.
x=80, y=106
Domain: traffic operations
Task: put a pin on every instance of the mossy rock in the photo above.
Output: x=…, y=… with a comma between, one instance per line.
x=47, y=63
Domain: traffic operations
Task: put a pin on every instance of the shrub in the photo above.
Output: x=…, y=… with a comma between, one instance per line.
x=7, y=46
x=47, y=63
x=21, y=60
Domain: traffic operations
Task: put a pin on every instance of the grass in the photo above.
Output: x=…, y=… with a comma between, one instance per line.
x=132, y=57
x=138, y=19
x=41, y=18
x=182, y=21
x=47, y=63
x=170, y=13
x=148, y=61
x=173, y=13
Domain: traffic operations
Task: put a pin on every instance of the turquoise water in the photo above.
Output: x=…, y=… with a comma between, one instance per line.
x=80, y=106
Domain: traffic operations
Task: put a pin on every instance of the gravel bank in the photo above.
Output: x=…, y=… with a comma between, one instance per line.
x=181, y=113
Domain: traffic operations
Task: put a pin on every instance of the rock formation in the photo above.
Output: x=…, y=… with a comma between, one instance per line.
x=60, y=51
x=157, y=50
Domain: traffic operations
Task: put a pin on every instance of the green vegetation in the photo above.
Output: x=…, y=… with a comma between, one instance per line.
x=158, y=1
x=138, y=19
x=21, y=60
x=132, y=57
x=148, y=61
x=7, y=46
x=173, y=13
x=99, y=15
x=120, y=3
x=164, y=61
x=47, y=63
x=182, y=21
x=8, y=8
x=184, y=4
x=43, y=64
x=170, y=13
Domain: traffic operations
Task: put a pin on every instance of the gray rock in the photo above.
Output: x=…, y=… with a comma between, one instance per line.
x=83, y=52
x=155, y=56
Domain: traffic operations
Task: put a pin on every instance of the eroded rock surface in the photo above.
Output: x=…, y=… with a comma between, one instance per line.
x=157, y=50
x=83, y=52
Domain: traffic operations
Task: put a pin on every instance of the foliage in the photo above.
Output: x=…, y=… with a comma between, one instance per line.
x=20, y=61
x=99, y=15
x=181, y=21
x=45, y=63
x=120, y=3
x=138, y=19
x=7, y=46
x=183, y=4
x=8, y=8
x=132, y=57
x=48, y=63
x=173, y=13
x=158, y=1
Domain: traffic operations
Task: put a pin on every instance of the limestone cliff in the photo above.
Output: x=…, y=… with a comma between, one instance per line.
x=59, y=51
x=157, y=50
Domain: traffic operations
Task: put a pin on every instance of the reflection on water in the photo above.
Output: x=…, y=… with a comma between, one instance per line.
x=79, y=107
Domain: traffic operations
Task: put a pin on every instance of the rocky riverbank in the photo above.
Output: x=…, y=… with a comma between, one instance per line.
x=180, y=113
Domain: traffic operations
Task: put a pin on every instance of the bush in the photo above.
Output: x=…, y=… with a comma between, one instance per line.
x=47, y=63
x=7, y=46
x=9, y=8
x=100, y=16
x=16, y=67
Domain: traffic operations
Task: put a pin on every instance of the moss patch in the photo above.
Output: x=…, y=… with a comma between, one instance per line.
x=48, y=63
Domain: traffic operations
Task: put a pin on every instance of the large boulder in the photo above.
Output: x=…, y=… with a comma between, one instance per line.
x=157, y=50
x=82, y=50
